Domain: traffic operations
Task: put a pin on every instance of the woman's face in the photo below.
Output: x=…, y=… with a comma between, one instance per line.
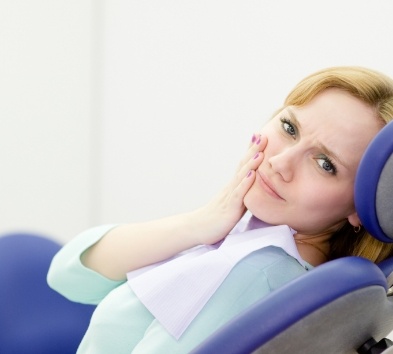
x=307, y=175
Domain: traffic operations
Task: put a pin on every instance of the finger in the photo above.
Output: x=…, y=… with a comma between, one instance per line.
x=254, y=138
x=252, y=164
x=254, y=146
x=249, y=160
x=259, y=144
x=242, y=188
x=262, y=143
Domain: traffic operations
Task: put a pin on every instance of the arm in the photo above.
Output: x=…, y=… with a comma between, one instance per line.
x=133, y=246
x=68, y=276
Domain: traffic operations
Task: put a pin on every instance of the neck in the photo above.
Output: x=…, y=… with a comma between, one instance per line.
x=313, y=249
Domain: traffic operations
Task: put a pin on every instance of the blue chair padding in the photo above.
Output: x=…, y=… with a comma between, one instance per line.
x=367, y=179
x=386, y=266
x=292, y=302
x=35, y=319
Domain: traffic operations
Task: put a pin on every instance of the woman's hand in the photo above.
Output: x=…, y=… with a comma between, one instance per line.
x=218, y=217
x=131, y=246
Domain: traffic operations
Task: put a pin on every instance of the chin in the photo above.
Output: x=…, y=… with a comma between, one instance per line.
x=265, y=213
x=255, y=209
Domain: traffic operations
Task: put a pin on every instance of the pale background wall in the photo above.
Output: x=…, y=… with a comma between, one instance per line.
x=46, y=116
x=121, y=110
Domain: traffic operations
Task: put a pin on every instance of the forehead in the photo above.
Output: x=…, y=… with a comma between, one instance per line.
x=339, y=121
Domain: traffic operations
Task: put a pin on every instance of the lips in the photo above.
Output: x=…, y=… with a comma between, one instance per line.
x=265, y=183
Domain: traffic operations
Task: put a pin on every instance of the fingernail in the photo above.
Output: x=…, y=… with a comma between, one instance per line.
x=258, y=141
x=253, y=138
x=256, y=156
x=249, y=173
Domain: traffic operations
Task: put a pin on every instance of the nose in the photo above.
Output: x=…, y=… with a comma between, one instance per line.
x=285, y=162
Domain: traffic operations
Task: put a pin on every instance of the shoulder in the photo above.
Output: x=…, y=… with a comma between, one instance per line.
x=269, y=256
x=273, y=264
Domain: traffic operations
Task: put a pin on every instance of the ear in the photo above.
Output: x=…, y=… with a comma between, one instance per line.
x=354, y=220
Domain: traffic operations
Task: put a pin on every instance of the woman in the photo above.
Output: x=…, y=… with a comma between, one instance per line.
x=298, y=171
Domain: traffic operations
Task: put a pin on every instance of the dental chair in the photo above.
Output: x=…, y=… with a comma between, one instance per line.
x=35, y=319
x=340, y=307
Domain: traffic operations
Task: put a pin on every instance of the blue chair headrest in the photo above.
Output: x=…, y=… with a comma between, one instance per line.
x=374, y=186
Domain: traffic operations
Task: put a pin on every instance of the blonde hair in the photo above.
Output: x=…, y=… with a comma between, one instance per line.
x=376, y=90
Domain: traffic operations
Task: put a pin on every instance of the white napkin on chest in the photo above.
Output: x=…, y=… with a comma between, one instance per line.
x=176, y=290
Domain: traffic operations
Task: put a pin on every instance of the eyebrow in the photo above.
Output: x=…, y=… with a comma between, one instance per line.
x=320, y=146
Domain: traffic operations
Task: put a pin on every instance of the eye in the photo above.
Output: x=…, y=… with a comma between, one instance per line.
x=327, y=165
x=288, y=127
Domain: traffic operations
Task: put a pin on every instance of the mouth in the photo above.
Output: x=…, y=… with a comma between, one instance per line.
x=268, y=186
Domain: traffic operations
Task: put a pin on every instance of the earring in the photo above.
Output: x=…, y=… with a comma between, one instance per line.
x=357, y=229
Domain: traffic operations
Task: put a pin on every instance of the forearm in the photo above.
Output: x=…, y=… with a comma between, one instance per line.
x=133, y=246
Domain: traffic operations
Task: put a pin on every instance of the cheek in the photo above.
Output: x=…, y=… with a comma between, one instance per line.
x=268, y=128
x=336, y=202
x=274, y=140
